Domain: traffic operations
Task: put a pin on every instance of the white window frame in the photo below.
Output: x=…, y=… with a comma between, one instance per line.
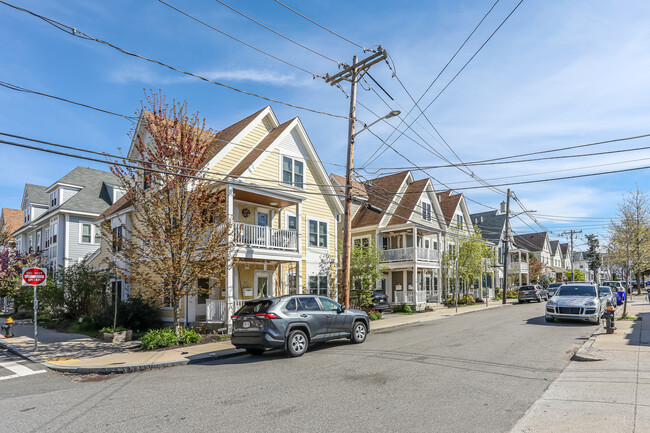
x=318, y=221
x=46, y=237
x=54, y=233
x=286, y=220
x=426, y=210
x=54, y=198
x=39, y=236
x=293, y=171
x=81, y=233
x=319, y=280
x=27, y=215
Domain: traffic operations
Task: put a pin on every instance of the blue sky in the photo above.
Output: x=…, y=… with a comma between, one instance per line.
x=556, y=74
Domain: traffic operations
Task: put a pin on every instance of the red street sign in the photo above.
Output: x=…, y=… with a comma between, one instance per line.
x=34, y=276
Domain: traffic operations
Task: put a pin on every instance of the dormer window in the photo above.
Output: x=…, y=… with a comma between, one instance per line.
x=54, y=198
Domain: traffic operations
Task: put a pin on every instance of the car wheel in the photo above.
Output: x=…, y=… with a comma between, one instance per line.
x=297, y=344
x=549, y=319
x=256, y=352
x=359, y=332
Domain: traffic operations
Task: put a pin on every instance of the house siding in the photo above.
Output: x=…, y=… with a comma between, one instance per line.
x=77, y=250
x=240, y=149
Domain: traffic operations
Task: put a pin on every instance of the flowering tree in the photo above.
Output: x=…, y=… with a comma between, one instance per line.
x=179, y=228
x=12, y=263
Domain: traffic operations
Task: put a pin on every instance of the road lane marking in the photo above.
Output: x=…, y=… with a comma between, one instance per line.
x=18, y=370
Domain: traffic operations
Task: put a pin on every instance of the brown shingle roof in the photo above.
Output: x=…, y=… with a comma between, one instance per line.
x=565, y=249
x=252, y=156
x=121, y=204
x=225, y=136
x=448, y=204
x=409, y=202
x=530, y=241
x=381, y=192
x=357, y=189
x=12, y=219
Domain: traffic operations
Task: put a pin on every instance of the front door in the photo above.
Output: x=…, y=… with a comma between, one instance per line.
x=203, y=284
x=263, y=284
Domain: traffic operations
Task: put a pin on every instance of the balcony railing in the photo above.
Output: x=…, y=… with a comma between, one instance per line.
x=514, y=267
x=265, y=237
x=406, y=254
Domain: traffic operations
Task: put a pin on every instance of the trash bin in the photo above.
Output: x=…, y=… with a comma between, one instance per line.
x=620, y=297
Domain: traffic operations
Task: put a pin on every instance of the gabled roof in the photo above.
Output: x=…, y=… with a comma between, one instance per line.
x=12, y=219
x=121, y=204
x=357, y=190
x=565, y=249
x=409, y=202
x=226, y=135
x=448, y=203
x=381, y=192
x=261, y=147
x=490, y=223
x=554, y=247
x=37, y=194
x=531, y=241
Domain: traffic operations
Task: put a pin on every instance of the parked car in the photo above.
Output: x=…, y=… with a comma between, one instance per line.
x=610, y=295
x=379, y=301
x=294, y=322
x=576, y=301
x=552, y=288
x=618, y=287
x=533, y=292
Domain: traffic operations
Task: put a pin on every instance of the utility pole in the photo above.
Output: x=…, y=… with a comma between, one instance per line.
x=505, y=250
x=571, y=233
x=351, y=73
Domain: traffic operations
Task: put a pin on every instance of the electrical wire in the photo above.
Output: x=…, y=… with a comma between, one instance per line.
x=323, y=27
x=77, y=33
x=313, y=74
x=278, y=33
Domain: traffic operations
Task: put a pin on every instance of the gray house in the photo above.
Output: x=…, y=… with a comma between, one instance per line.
x=58, y=220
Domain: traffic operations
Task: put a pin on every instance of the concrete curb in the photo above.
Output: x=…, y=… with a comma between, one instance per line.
x=117, y=369
x=581, y=355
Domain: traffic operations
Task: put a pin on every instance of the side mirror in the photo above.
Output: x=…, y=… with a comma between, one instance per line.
x=342, y=309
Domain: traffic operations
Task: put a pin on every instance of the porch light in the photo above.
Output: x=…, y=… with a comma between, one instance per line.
x=274, y=203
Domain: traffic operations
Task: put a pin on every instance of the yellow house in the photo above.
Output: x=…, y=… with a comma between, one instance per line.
x=284, y=212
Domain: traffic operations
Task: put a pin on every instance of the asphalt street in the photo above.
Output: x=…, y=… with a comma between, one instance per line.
x=477, y=372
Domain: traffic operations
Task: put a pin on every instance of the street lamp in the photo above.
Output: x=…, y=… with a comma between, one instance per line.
x=347, y=220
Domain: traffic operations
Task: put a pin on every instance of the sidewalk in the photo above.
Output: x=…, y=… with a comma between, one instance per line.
x=610, y=393
x=77, y=353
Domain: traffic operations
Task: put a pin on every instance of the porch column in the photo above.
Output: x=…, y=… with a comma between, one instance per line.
x=439, y=284
x=519, y=252
x=230, y=282
x=527, y=269
x=299, y=276
x=298, y=227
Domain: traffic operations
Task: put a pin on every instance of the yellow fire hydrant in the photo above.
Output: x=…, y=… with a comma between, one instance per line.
x=8, y=327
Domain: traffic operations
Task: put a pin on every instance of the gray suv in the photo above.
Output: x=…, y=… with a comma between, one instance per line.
x=293, y=322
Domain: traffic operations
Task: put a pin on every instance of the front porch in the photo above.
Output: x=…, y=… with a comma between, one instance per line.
x=401, y=288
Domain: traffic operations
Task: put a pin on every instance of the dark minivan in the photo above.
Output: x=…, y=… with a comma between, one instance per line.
x=293, y=322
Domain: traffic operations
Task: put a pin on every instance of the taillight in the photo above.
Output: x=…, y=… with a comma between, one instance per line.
x=535, y=290
x=267, y=316
x=234, y=316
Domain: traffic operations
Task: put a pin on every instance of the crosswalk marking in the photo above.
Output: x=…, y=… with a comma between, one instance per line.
x=19, y=370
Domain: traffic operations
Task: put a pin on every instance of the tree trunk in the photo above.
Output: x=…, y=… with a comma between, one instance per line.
x=177, y=328
x=638, y=283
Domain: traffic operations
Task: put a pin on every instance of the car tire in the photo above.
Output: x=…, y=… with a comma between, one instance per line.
x=549, y=319
x=255, y=352
x=297, y=343
x=359, y=332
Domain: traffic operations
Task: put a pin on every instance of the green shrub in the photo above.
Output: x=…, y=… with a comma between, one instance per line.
x=374, y=315
x=189, y=336
x=402, y=308
x=157, y=338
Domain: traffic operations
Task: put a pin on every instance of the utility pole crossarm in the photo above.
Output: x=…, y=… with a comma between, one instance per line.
x=349, y=73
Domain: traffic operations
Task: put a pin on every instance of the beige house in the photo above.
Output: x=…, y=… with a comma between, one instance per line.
x=408, y=232
x=284, y=212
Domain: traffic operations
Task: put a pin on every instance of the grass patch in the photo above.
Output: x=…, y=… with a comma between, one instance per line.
x=628, y=317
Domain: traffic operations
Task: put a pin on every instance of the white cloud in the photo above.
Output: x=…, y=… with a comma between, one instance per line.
x=256, y=76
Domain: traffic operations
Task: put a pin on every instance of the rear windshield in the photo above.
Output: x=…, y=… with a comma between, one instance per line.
x=605, y=290
x=255, y=307
x=527, y=288
x=576, y=291
x=612, y=284
x=554, y=285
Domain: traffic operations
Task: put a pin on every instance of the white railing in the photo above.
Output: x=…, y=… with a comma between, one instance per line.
x=421, y=297
x=515, y=266
x=407, y=297
x=428, y=255
x=217, y=311
x=265, y=237
x=406, y=255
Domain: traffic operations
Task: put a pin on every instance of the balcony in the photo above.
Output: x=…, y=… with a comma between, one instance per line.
x=406, y=255
x=255, y=236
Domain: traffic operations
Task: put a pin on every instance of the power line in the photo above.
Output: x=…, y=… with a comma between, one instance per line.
x=77, y=33
x=133, y=119
x=278, y=33
x=323, y=27
x=313, y=74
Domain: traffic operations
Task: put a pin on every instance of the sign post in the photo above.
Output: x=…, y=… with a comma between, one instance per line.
x=34, y=277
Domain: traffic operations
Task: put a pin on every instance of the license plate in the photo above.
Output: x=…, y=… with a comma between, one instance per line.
x=246, y=324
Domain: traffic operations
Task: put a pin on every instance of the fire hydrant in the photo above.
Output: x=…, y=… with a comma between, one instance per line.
x=609, y=319
x=8, y=327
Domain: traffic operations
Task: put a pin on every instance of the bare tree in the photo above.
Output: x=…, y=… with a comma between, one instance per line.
x=179, y=228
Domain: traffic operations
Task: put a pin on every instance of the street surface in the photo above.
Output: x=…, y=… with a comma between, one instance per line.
x=476, y=372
